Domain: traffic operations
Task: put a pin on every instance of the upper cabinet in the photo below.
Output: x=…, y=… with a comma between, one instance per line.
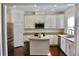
x=47, y=21
x=50, y=21
x=26, y=22
x=60, y=21
x=42, y=19
x=53, y=21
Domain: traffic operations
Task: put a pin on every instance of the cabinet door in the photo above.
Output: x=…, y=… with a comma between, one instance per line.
x=70, y=48
x=26, y=22
x=53, y=39
x=60, y=21
x=67, y=47
x=53, y=21
x=31, y=21
x=41, y=18
x=37, y=18
x=62, y=45
x=47, y=21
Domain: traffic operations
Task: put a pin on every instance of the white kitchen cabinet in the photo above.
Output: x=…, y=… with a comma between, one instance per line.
x=50, y=21
x=53, y=21
x=53, y=39
x=26, y=22
x=62, y=24
x=67, y=46
x=62, y=44
x=39, y=46
x=47, y=21
x=60, y=21
x=31, y=22
x=41, y=18
x=37, y=19
x=70, y=48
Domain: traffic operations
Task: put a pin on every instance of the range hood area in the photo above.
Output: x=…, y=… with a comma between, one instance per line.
x=39, y=25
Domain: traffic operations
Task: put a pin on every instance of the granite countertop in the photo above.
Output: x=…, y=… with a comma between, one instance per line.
x=65, y=36
x=38, y=38
x=52, y=33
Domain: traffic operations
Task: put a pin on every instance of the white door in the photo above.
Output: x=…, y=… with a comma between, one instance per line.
x=31, y=21
x=18, y=27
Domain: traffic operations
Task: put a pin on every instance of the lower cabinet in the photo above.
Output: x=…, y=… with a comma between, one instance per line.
x=68, y=47
x=63, y=44
x=53, y=39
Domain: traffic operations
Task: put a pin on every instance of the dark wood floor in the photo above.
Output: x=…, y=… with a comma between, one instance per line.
x=53, y=51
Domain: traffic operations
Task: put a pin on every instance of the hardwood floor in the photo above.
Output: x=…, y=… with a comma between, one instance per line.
x=53, y=51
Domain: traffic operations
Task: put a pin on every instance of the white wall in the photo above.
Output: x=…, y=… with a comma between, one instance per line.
x=18, y=27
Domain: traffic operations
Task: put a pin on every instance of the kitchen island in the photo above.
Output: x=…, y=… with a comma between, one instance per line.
x=39, y=46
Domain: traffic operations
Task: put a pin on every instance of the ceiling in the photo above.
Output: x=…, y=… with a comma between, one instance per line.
x=42, y=7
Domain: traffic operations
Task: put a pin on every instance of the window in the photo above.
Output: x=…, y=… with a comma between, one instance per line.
x=71, y=25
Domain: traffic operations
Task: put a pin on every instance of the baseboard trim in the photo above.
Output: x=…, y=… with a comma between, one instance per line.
x=62, y=51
